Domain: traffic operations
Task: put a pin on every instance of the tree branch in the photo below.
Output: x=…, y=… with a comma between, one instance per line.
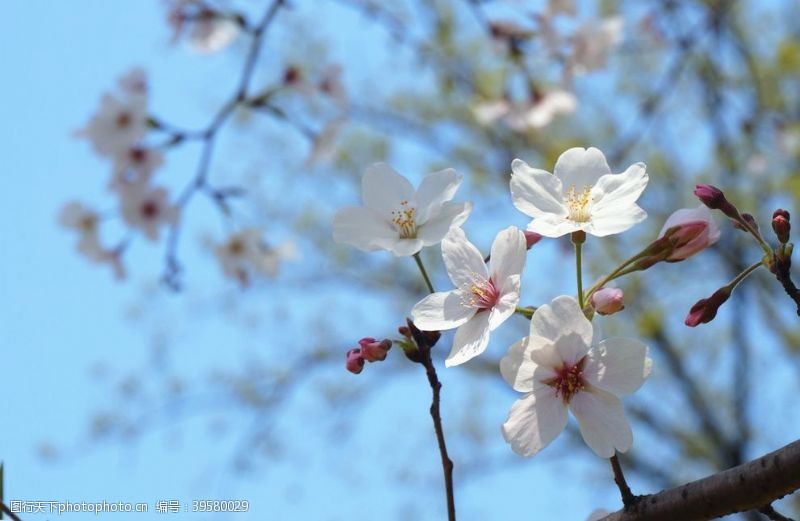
x=7, y=511
x=745, y=487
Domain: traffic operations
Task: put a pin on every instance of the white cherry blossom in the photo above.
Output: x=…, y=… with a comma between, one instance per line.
x=592, y=42
x=118, y=125
x=562, y=366
x=135, y=166
x=86, y=222
x=397, y=218
x=581, y=194
x=245, y=253
x=483, y=298
x=534, y=115
x=147, y=209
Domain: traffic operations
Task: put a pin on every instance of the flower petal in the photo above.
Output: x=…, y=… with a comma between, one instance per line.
x=517, y=368
x=382, y=188
x=442, y=310
x=508, y=255
x=406, y=247
x=535, y=192
x=602, y=422
x=363, y=228
x=471, y=340
x=554, y=226
x=435, y=189
x=619, y=190
x=462, y=259
x=534, y=421
x=448, y=216
x=563, y=318
x=581, y=167
x=506, y=304
x=618, y=365
x=615, y=220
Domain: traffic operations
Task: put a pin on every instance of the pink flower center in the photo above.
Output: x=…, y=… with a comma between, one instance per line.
x=150, y=209
x=568, y=380
x=484, y=294
x=123, y=119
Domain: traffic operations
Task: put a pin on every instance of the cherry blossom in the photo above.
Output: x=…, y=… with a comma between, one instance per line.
x=397, y=218
x=85, y=221
x=592, y=42
x=147, y=209
x=562, y=366
x=607, y=301
x=696, y=224
x=483, y=298
x=534, y=115
x=209, y=31
x=245, y=254
x=135, y=166
x=581, y=194
x=117, y=126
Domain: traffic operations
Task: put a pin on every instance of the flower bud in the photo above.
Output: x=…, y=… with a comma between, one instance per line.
x=374, y=351
x=781, y=225
x=689, y=231
x=531, y=238
x=706, y=309
x=355, y=362
x=712, y=197
x=606, y=301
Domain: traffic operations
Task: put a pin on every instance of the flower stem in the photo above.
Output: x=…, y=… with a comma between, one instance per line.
x=424, y=273
x=527, y=312
x=619, y=478
x=577, y=239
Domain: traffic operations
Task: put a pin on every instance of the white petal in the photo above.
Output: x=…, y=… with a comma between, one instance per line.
x=615, y=220
x=535, y=192
x=442, y=310
x=471, y=340
x=462, y=259
x=545, y=355
x=602, y=422
x=580, y=167
x=382, y=188
x=554, y=226
x=506, y=304
x=618, y=365
x=448, y=216
x=406, y=247
x=508, y=255
x=688, y=215
x=363, y=228
x=564, y=318
x=435, y=189
x=517, y=368
x=619, y=189
x=534, y=421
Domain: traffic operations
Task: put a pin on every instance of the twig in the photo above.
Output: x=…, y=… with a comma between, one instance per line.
x=619, y=478
x=447, y=463
x=745, y=487
x=7, y=511
x=773, y=514
x=782, y=270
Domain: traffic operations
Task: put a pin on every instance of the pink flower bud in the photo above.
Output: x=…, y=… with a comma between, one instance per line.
x=712, y=197
x=781, y=225
x=607, y=301
x=690, y=231
x=374, y=351
x=706, y=309
x=531, y=238
x=355, y=362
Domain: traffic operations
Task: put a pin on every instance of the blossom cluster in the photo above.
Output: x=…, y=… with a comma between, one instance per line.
x=563, y=364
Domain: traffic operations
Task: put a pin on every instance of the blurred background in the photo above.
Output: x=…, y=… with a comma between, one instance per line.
x=145, y=362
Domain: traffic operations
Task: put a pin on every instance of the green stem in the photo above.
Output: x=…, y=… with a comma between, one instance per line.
x=766, y=247
x=618, y=272
x=740, y=277
x=578, y=274
x=527, y=312
x=424, y=273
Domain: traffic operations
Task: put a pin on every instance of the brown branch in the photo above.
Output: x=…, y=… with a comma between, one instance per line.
x=447, y=463
x=746, y=487
x=773, y=514
x=619, y=478
x=781, y=268
x=7, y=511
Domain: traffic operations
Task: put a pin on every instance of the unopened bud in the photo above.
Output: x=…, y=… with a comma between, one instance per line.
x=355, y=362
x=706, y=309
x=712, y=197
x=783, y=213
x=531, y=238
x=781, y=227
x=374, y=351
x=606, y=301
x=689, y=231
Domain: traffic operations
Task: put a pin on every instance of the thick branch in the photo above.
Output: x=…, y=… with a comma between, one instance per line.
x=7, y=511
x=746, y=487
